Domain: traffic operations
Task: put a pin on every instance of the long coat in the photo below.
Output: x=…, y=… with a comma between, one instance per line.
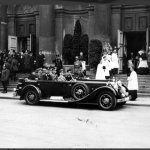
x=27, y=65
x=5, y=75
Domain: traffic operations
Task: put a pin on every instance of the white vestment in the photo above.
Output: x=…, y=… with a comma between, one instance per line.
x=105, y=63
x=133, y=81
x=143, y=63
x=100, y=74
x=83, y=65
x=114, y=61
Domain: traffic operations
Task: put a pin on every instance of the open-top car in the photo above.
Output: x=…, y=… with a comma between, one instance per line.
x=105, y=93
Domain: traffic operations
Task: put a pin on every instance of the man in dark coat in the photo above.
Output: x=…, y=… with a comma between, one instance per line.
x=58, y=64
x=1, y=60
x=27, y=65
x=40, y=60
x=4, y=78
x=14, y=67
x=21, y=62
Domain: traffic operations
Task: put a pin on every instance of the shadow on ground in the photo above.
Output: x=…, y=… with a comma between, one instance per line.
x=71, y=105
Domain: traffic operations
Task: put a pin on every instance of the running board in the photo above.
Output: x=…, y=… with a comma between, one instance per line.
x=59, y=99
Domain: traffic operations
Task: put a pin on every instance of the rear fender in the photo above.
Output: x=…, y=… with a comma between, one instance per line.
x=28, y=87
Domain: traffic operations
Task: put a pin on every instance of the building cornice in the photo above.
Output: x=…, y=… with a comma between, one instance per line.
x=63, y=11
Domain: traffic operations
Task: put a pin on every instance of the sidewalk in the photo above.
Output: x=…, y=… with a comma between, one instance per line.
x=8, y=95
x=141, y=100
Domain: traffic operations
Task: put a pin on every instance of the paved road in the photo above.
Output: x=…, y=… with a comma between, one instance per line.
x=61, y=126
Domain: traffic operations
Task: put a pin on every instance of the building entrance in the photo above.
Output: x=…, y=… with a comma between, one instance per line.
x=23, y=43
x=27, y=43
x=131, y=42
x=135, y=42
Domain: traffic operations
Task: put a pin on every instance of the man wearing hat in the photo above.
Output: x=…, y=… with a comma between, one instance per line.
x=58, y=64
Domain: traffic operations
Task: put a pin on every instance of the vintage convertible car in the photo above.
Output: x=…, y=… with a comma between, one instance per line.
x=105, y=93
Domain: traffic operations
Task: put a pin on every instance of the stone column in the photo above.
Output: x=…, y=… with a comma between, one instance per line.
x=115, y=23
x=102, y=21
x=47, y=31
x=11, y=21
x=3, y=27
x=37, y=33
x=59, y=31
x=91, y=22
x=11, y=26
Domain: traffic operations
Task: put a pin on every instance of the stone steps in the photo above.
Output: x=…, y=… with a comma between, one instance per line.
x=143, y=81
x=10, y=87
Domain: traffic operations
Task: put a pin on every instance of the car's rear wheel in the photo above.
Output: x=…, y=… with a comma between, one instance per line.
x=79, y=91
x=32, y=97
x=107, y=100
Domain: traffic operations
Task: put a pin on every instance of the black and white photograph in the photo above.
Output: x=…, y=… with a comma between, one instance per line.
x=74, y=74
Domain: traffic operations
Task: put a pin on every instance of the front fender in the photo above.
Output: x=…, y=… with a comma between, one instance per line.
x=92, y=97
x=28, y=87
x=106, y=88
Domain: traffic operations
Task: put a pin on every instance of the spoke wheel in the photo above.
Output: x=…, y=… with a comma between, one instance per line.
x=32, y=97
x=107, y=100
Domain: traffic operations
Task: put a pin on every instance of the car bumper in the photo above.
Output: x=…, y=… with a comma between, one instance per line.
x=17, y=92
x=125, y=99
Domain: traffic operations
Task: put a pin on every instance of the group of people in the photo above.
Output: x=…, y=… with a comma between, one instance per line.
x=108, y=65
x=80, y=66
x=51, y=74
x=141, y=62
x=108, y=69
x=12, y=62
x=56, y=72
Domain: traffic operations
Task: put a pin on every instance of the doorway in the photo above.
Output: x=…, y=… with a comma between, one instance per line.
x=27, y=43
x=135, y=42
x=23, y=43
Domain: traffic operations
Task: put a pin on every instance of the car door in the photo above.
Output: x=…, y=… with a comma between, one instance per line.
x=51, y=88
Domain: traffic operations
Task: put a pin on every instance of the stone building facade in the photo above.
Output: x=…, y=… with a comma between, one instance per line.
x=43, y=27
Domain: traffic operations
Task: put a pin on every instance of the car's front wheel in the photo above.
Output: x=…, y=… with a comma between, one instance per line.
x=32, y=97
x=107, y=100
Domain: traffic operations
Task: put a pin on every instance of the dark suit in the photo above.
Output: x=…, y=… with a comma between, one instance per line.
x=4, y=78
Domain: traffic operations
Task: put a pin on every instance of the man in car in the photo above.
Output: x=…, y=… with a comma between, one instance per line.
x=61, y=76
x=69, y=76
x=53, y=74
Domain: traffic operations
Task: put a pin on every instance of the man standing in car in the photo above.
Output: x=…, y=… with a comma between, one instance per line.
x=58, y=64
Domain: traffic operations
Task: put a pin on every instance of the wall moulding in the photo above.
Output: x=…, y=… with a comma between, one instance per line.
x=74, y=12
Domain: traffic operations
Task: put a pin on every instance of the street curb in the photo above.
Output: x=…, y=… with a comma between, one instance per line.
x=143, y=95
x=1, y=97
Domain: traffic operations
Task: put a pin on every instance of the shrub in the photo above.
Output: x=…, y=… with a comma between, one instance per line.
x=67, y=49
x=95, y=51
x=76, y=39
